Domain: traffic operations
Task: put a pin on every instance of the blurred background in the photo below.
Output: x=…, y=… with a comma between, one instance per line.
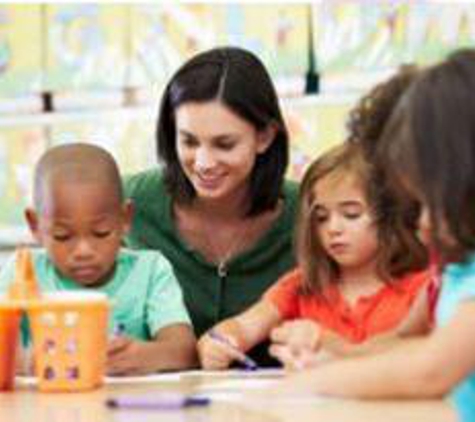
x=94, y=72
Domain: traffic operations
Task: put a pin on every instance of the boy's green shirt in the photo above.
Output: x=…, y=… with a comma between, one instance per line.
x=209, y=297
x=144, y=293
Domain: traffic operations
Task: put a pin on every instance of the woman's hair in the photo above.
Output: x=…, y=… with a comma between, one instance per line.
x=399, y=250
x=237, y=79
x=429, y=142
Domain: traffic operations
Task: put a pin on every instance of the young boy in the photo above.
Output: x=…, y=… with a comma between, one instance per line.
x=79, y=218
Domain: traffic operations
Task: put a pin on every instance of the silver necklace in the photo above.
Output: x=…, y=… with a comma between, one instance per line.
x=222, y=266
x=222, y=269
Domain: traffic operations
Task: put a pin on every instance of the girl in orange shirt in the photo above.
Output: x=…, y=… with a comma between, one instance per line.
x=362, y=273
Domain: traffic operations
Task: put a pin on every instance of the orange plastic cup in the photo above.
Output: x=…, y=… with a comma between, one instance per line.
x=69, y=340
x=10, y=315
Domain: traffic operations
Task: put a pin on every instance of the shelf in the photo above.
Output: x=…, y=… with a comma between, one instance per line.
x=145, y=112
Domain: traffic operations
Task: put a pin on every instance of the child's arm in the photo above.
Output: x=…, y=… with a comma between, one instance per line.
x=417, y=322
x=243, y=332
x=302, y=344
x=295, y=341
x=173, y=348
x=173, y=344
x=420, y=367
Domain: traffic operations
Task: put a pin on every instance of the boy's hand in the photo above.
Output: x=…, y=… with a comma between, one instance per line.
x=173, y=347
x=214, y=354
x=298, y=335
x=126, y=356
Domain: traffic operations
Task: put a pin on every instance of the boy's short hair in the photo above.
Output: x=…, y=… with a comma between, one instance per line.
x=78, y=163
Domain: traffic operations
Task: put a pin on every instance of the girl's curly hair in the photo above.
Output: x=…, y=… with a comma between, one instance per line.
x=370, y=115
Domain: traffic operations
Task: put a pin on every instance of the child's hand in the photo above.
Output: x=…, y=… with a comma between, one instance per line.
x=296, y=343
x=296, y=360
x=215, y=354
x=298, y=335
x=125, y=356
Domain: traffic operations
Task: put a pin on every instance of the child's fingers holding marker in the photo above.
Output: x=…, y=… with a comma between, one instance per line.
x=215, y=362
x=215, y=354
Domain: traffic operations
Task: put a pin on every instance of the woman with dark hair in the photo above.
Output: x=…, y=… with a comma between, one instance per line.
x=219, y=208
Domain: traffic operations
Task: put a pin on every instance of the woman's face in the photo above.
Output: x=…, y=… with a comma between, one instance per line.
x=216, y=148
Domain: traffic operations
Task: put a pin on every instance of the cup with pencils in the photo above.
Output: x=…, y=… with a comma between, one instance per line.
x=69, y=331
x=69, y=340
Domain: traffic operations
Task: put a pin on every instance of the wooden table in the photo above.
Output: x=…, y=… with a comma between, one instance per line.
x=26, y=404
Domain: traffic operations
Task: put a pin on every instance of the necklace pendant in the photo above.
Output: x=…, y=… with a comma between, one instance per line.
x=222, y=269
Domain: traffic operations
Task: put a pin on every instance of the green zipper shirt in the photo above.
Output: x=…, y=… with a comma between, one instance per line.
x=210, y=297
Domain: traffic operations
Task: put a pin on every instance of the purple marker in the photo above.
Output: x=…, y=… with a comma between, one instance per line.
x=244, y=359
x=159, y=401
x=119, y=329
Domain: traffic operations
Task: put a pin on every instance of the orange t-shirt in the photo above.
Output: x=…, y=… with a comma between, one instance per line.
x=371, y=315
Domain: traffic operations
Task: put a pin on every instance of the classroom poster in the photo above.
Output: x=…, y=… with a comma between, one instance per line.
x=435, y=29
x=19, y=149
x=277, y=33
x=86, y=46
x=163, y=36
x=314, y=127
x=21, y=50
x=129, y=140
x=359, y=44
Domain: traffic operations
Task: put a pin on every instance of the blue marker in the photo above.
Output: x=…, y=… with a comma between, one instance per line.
x=248, y=363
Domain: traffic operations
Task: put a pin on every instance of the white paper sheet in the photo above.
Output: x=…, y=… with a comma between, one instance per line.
x=236, y=373
x=143, y=379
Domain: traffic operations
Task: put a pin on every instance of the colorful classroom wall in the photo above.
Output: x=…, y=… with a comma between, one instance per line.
x=94, y=72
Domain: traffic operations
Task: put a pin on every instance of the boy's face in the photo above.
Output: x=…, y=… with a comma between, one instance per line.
x=81, y=226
